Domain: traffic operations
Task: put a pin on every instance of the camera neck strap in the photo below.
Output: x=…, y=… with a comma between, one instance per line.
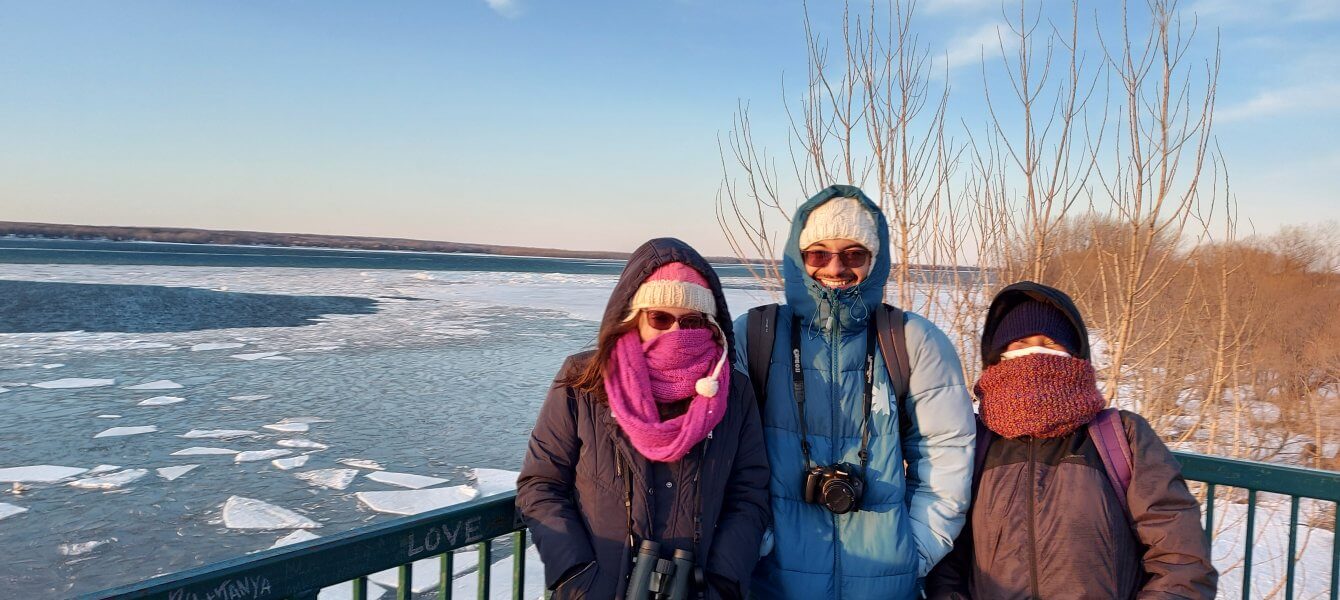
x=798, y=389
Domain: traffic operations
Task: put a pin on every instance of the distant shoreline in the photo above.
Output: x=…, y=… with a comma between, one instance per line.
x=182, y=235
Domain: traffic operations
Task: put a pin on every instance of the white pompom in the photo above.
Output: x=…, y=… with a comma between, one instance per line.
x=707, y=387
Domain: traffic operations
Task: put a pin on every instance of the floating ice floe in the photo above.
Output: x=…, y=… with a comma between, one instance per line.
x=413, y=502
x=361, y=463
x=216, y=433
x=335, y=479
x=171, y=473
x=275, y=358
x=102, y=469
x=161, y=384
x=161, y=401
x=290, y=463
x=298, y=535
x=249, y=513
x=9, y=510
x=255, y=455
x=53, y=366
x=465, y=585
x=109, y=416
x=123, y=431
x=81, y=547
x=425, y=574
x=408, y=480
x=493, y=481
x=216, y=346
x=110, y=481
x=38, y=474
x=70, y=383
x=308, y=420
x=301, y=443
x=288, y=427
x=201, y=450
x=255, y=355
x=250, y=398
x=3, y=390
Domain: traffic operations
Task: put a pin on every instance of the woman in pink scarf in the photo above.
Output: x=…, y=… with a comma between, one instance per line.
x=650, y=437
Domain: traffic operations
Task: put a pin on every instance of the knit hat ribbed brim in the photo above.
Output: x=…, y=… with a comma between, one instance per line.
x=1035, y=318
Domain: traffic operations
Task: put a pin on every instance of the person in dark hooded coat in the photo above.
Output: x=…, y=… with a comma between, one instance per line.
x=1047, y=520
x=654, y=435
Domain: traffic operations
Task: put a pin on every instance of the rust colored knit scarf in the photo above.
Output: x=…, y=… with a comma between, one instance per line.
x=1038, y=395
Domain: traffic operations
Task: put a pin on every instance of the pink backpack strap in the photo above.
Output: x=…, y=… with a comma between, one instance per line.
x=1110, y=438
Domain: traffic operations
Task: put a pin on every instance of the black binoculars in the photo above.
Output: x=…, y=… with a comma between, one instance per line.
x=656, y=578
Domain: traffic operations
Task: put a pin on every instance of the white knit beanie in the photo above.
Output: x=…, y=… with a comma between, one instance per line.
x=841, y=219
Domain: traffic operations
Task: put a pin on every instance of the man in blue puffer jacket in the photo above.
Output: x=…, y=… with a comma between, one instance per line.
x=835, y=268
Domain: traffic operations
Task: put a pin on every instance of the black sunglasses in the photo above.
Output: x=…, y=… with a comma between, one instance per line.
x=661, y=320
x=852, y=258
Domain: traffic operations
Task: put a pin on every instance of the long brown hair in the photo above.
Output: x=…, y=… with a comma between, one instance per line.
x=590, y=377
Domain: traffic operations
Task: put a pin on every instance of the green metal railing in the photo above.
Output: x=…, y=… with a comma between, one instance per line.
x=300, y=571
x=1255, y=477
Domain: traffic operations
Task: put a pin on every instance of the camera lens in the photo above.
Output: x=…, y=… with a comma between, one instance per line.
x=839, y=496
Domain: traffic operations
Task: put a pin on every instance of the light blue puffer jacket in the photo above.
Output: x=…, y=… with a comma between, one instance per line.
x=908, y=520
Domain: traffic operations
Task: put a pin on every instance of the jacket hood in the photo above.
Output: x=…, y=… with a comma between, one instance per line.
x=1017, y=293
x=810, y=299
x=647, y=258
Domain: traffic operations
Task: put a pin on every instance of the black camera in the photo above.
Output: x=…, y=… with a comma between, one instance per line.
x=839, y=488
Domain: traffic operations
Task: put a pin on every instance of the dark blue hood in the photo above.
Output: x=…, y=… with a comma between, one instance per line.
x=817, y=304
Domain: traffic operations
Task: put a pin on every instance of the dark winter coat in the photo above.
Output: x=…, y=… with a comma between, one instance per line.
x=1046, y=522
x=580, y=468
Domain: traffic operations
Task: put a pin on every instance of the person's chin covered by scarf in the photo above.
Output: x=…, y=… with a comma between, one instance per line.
x=1037, y=387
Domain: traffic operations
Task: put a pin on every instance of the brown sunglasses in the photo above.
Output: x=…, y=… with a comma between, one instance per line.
x=852, y=258
x=661, y=320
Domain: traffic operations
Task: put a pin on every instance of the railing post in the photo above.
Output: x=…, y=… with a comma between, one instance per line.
x=1209, y=513
x=519, y=565
x=447, y=566
x=1247, y=555
x=485, y=568
x=403, y=590
x=1293, y=547
x=360, y=588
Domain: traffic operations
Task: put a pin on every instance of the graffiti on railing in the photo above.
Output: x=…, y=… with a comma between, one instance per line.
x=242, y=588
x=449, y=532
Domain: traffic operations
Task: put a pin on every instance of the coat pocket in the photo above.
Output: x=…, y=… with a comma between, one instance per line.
x=578, y=586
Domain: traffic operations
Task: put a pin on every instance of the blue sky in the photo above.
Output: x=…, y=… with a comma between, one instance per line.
x=588, y=125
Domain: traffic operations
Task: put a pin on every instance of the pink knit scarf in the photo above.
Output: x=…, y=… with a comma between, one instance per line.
x=664, y=370
x=1039, y=395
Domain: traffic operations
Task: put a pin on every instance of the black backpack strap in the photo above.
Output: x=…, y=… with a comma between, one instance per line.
x=760, y=334
x=893, y=345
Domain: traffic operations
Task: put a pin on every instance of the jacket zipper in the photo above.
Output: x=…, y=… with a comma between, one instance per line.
x=1032, y=532
x=834, y=343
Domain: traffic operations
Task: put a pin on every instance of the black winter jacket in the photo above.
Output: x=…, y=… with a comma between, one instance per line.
x=580, y=468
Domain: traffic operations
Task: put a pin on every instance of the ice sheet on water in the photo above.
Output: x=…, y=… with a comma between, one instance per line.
x=109, y=416
x=464, y=586
x=111, y=480
x=298, y=535
x=9, y=510
x=82, y=547
x=123, y=431
x=288, y=427
x=53, y=365
x=38, y=474
x=161, y=384
x=3, y=390
x=425, y=574
x=102, y=469
x=216, y=346
x=290, y=463
x=361, y=463
x=335, y=479
x=71, y=383
x=171, y=473
x=255, y=355
x=249, y=513
x=161, y=401
x=408, y=480
x=301, y=443
x=345, y=591
x=493, y=481
x=250, y=398
x=202, y=450
x=255, y=455
x=413, y=502
x=222, y=434
x=275, y=358
x=305, y=420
